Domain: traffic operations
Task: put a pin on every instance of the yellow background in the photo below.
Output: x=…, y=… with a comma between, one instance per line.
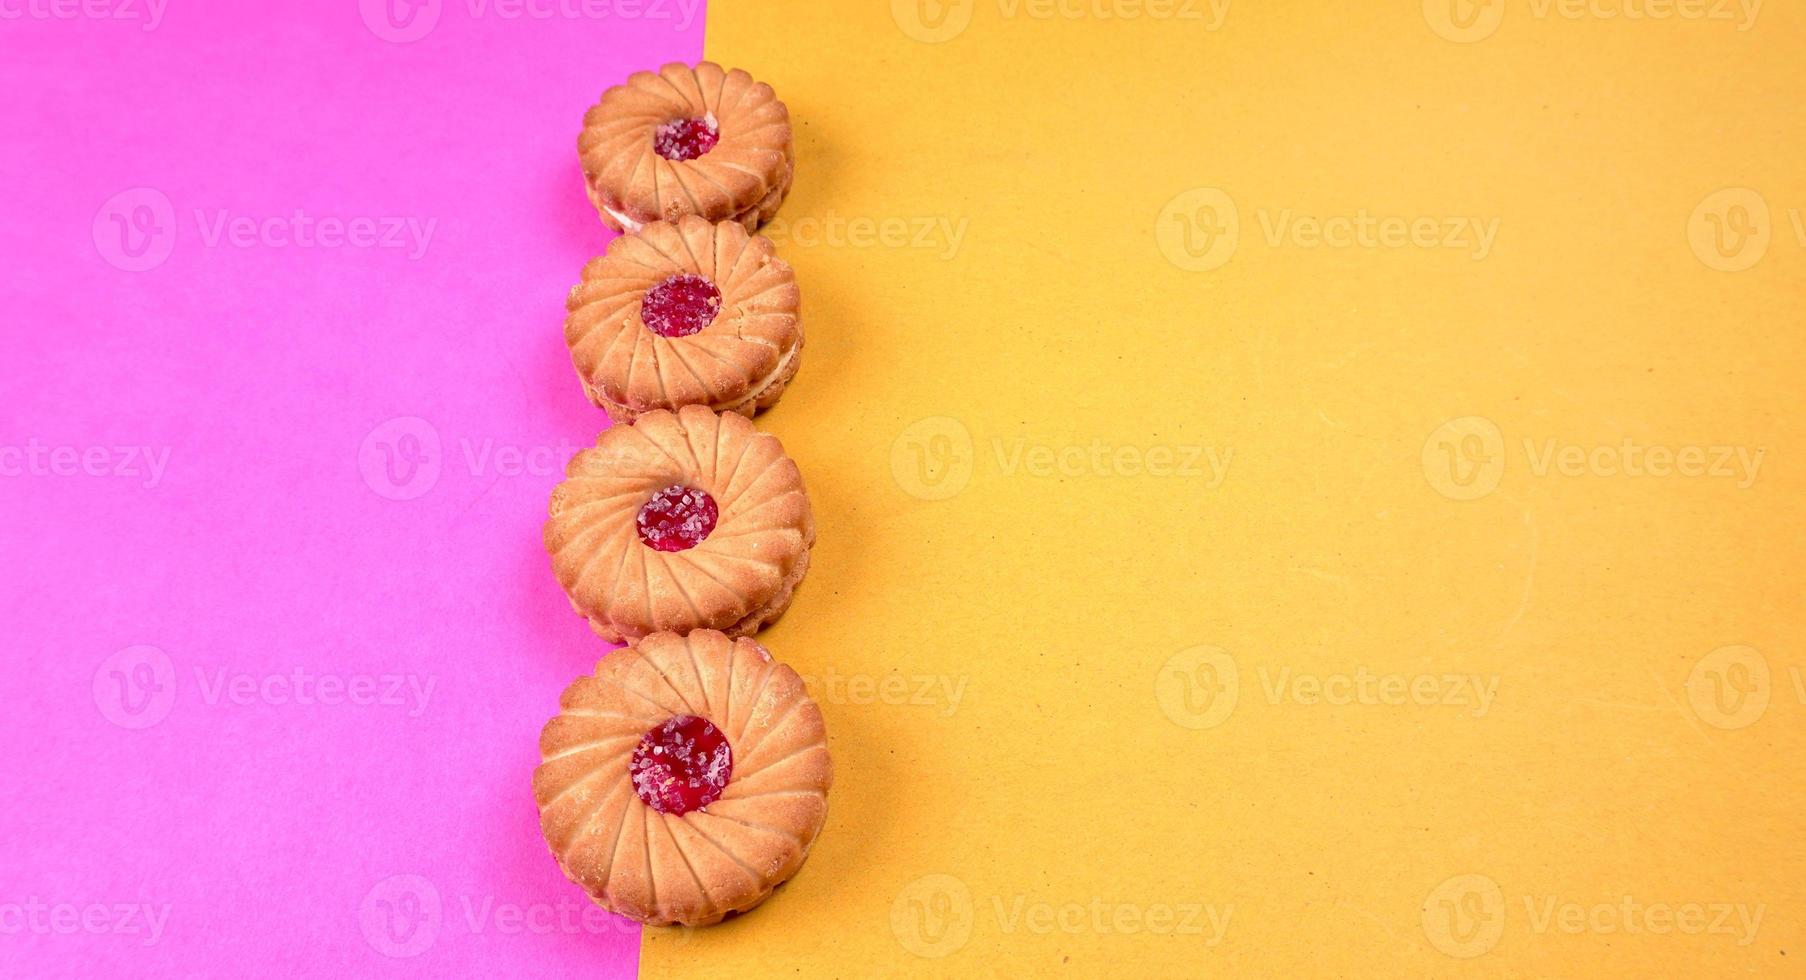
x=1089, y=761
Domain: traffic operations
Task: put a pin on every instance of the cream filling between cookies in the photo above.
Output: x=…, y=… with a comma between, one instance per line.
x=758, y=388
x=763, y=383
x=631, y=225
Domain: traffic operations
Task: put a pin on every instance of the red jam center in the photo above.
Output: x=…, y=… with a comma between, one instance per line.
x=681, y=765
x=685, y=139
x=680, y=305
x=677, y=518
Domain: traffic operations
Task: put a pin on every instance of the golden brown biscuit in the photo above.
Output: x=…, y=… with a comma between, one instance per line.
x=685, y=313
x=683, y=780
x=683, y=140
x=681, y=521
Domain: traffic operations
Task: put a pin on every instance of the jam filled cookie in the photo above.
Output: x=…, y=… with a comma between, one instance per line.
x=685, y=313
x=681, y=521
x=683, y=780
x=684, y=140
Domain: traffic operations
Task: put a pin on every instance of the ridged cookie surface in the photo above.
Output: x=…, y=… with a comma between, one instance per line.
x=740, y=362
x=696, y=867
x=743, y=177
x=736, y=579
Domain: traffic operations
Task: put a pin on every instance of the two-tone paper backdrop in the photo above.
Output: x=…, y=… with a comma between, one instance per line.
x=1303, y=488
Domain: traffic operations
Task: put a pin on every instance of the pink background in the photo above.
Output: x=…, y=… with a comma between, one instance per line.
x=293, y=526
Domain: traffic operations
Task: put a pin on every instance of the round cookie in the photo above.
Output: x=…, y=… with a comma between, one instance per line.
x=681, y=521
x=685, y=313
x=683, y=780
x=683, y=140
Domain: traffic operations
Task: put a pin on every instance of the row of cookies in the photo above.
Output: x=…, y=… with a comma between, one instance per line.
x=686, y=777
